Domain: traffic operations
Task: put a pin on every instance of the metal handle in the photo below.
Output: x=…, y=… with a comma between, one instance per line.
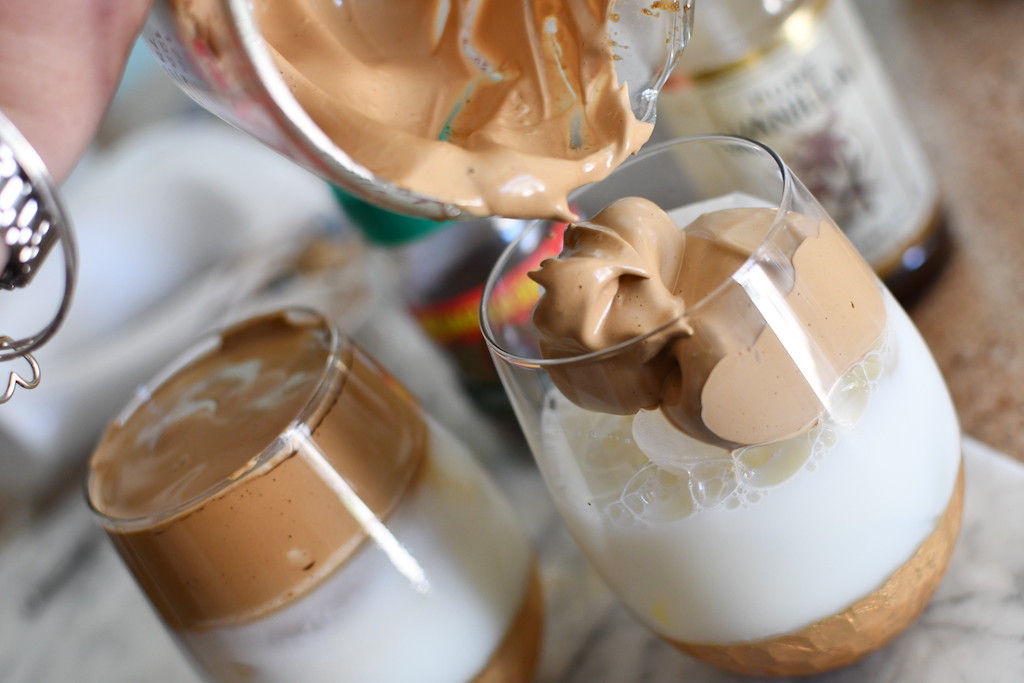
x=32, y=219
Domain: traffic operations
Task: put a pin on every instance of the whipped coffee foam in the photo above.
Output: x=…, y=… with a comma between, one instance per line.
x=709, y=350
x=496, y=106
x=200, y=488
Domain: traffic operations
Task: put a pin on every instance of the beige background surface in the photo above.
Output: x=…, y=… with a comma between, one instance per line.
x=958, y=67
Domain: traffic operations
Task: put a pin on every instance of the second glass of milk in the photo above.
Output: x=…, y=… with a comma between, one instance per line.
x=291, y=514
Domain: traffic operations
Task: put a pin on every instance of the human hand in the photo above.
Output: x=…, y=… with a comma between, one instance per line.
x=60, y=63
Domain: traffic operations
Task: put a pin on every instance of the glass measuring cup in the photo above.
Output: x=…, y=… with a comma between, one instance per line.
x=216, y=52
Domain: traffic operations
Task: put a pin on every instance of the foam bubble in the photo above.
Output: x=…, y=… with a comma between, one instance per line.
x=771, y=464
x=643, y=470
x=664, y=444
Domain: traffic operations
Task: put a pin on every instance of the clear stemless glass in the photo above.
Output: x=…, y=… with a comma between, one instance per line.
x=769, y=479
x=292, y=515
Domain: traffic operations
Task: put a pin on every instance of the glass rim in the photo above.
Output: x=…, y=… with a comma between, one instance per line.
x=784, y=199
x=207, y=344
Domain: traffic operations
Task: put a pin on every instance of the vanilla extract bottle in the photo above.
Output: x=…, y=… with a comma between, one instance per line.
x=441, y=268
x=802, y=77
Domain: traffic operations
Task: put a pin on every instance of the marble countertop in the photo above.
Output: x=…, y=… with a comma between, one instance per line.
x=71, y=611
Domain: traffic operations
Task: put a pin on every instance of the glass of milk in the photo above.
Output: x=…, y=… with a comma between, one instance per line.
x=761, y=458
x=291, y=514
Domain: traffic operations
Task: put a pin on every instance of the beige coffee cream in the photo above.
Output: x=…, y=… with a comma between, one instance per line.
x=500, y=107
x=705, y=357
x=290, y=514
x=748, y=436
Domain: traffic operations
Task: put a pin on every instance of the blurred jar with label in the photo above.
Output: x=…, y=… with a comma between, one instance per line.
x=440, y=268
x=802, y=77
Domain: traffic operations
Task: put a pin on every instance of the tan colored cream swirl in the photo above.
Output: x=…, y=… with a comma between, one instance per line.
x=500, y=107
x=702, y=350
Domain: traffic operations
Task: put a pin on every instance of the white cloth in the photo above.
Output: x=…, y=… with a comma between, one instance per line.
x=157, y=217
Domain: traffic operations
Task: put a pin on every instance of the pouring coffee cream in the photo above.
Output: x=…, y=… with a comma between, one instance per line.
x=630, y=271
x=491, y=108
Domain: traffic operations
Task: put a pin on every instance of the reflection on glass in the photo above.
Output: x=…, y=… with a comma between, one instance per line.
x=742, y=429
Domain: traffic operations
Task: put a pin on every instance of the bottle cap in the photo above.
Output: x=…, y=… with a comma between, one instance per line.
x=383, y=227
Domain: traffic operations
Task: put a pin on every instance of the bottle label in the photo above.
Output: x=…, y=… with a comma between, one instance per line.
x=455, y=323
x=821, y=100
x=457, y=319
